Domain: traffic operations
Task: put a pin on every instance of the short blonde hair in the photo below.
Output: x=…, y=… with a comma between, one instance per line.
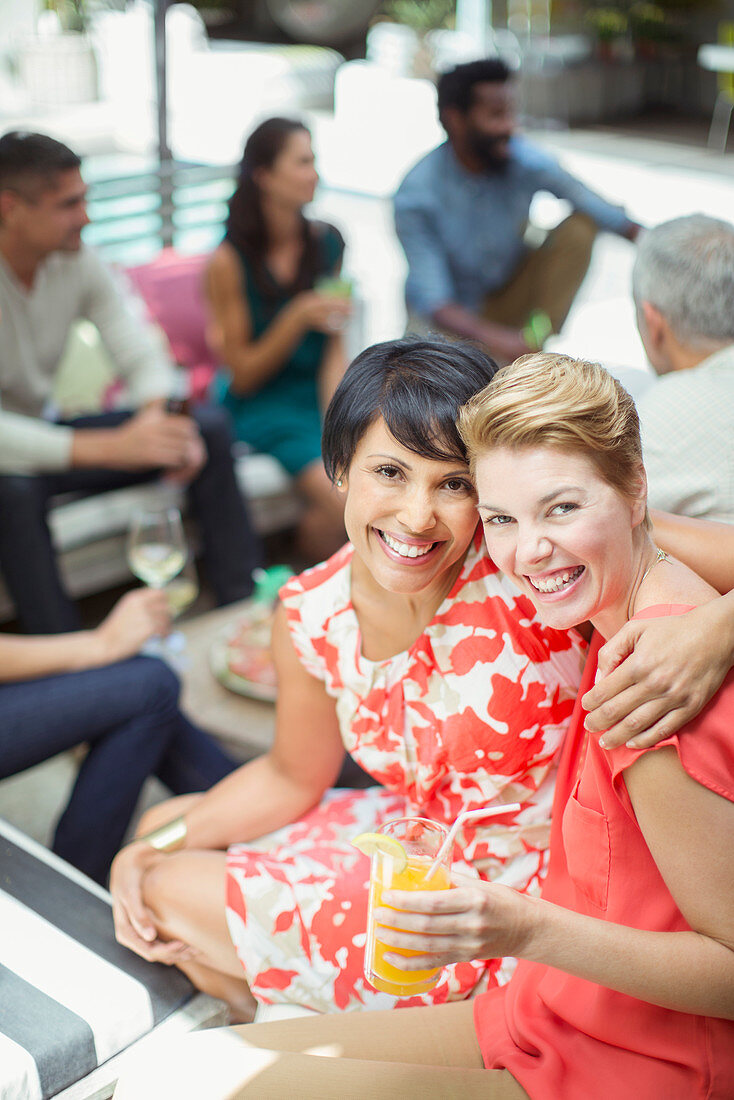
x=547, y=400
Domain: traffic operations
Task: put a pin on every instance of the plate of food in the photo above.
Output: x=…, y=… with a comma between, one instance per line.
x=240, y=656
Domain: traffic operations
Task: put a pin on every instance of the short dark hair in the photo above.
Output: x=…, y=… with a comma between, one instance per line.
x=456, y=87
x=417, y=386
x=29, y=162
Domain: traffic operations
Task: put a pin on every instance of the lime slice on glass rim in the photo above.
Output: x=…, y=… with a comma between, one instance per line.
x=369, y=843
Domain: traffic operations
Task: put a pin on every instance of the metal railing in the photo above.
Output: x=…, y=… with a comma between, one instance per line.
x=133, y=216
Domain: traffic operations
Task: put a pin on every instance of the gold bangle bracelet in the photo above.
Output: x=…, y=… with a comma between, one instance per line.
x=167, y=838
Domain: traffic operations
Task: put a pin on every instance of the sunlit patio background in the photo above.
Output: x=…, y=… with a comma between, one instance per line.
x=373, y=118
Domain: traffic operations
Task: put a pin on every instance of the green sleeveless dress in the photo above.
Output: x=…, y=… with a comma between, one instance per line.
x=283, y=417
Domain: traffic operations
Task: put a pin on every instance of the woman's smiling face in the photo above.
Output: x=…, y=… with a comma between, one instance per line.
x=409, y=518
x=562, y=532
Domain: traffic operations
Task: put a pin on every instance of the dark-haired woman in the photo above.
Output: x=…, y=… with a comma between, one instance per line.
x=278, y=336
x=409, y=649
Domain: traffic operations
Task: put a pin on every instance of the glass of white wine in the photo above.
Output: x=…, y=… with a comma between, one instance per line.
x=156, y=553
x=156, y=548
x=183, y=589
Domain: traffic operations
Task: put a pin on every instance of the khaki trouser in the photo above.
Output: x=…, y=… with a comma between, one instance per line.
x=402, y=1054
x=547, y=279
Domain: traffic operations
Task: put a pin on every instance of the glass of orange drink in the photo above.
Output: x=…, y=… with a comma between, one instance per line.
x=402, y=862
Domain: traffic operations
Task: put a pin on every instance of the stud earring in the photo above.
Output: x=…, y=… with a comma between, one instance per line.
x=339, y=483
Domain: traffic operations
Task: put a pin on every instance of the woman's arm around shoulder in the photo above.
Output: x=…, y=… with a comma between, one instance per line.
x=655, y=675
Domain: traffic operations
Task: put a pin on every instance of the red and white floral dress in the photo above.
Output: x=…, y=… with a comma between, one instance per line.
x=473, y=712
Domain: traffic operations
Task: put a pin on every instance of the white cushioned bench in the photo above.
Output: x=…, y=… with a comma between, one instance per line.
x=74, y=1004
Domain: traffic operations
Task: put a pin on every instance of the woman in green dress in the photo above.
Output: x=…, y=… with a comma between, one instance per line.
x=278, y=311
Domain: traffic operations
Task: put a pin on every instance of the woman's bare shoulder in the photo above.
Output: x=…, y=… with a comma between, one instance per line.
x=672, y=582
x=224, y=261
x=224, y=273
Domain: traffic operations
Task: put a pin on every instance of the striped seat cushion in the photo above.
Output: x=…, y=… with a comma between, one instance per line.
x=70, y=996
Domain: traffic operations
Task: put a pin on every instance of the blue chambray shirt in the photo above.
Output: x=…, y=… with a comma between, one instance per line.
x=462, y=232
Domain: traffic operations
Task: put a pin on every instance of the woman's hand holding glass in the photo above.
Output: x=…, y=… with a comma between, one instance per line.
x=323, y=312
x=137, y=617
x=474, y=920
x=156, y=550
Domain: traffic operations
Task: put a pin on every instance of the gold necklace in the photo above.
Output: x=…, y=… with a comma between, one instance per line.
x=659, y=556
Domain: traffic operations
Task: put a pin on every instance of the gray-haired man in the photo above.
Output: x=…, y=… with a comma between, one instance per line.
x=683, y=286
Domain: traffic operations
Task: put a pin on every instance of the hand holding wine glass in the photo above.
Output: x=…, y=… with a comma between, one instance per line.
x=156, y=553
x=137, y=617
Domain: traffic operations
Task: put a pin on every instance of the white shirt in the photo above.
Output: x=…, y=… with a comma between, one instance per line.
x=34, y=328
x=687, y=423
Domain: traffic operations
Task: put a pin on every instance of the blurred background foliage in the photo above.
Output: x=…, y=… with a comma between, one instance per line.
x=421, y=15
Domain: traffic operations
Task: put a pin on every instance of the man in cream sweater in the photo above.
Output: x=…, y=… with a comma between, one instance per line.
x=49, y=279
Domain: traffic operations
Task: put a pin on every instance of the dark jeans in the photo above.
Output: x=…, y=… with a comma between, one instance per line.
x=128, y=714
x=28, y=563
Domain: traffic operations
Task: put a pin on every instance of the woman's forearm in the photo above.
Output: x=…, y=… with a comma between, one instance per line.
x=253, y=363
x=684, y=971
x=257, y=798
x=30, y=658
x=136, y=617
x=703, y=545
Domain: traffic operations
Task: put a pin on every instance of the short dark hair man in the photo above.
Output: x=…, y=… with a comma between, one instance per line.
x=462, y=213
x=683, y=287
x=48, y=279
